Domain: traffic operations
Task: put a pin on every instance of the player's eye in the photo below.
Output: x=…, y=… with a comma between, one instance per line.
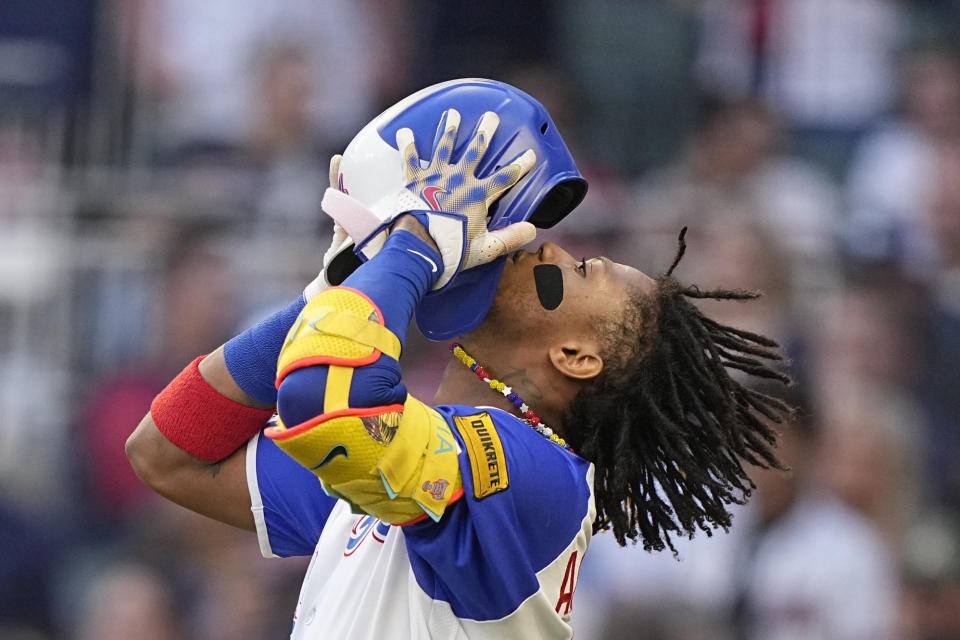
x=582, y=267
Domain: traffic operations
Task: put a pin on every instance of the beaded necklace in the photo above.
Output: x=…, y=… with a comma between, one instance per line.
x=526, y=412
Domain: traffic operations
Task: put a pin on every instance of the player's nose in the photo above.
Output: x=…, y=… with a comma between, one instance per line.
x=550, y=252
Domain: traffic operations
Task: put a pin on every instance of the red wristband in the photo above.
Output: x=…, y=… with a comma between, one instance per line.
x=202, y=421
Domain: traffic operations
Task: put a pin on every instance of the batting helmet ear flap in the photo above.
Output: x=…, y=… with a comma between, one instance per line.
x=560, y=200
x=370, y=172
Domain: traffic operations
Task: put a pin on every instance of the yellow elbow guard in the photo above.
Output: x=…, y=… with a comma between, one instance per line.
x=340, y=326
x=397, y=462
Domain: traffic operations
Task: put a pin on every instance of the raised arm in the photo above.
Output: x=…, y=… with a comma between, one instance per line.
x=190, y=447
x=344, y=412
x=215, y=489
x=208, y=483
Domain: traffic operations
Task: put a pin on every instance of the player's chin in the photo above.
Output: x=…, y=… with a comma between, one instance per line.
x=512, y=269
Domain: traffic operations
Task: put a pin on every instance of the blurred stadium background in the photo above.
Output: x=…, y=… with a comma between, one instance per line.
x=161, y=167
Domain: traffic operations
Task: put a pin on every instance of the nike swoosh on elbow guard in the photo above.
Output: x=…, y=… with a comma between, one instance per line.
x=432, y=263
x=336, y=450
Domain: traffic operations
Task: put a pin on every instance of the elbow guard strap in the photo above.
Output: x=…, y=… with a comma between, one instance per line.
x=398, y=462
x=340, y=326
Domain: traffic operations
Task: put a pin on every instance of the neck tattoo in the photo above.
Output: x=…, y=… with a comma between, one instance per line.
x=527, y=414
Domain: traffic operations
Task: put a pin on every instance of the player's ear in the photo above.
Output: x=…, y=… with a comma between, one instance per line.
x=576, y=359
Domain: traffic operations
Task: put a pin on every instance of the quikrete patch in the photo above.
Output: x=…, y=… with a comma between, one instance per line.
x=485, y=451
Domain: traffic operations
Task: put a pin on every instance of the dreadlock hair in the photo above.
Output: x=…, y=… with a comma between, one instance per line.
x=666, y=426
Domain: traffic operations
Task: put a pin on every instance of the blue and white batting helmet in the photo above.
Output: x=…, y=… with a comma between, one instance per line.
x=370, y=172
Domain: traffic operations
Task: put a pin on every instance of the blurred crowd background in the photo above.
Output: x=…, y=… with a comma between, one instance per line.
x=161, y=168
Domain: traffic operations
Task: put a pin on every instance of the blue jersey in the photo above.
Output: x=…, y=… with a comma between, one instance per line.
x=502, y=562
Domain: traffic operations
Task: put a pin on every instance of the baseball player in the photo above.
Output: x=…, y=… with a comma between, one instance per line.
x=581, y=396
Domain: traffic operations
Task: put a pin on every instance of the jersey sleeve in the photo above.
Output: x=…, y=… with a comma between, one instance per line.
x=289, y=505
x=509, y=551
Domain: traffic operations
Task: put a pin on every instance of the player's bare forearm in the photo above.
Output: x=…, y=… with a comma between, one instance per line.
x=215, y=489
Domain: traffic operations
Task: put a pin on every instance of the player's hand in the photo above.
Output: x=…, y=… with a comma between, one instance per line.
x=341, y=243
x=453, y=202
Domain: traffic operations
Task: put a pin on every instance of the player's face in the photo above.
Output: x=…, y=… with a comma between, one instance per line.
x=589, y=290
